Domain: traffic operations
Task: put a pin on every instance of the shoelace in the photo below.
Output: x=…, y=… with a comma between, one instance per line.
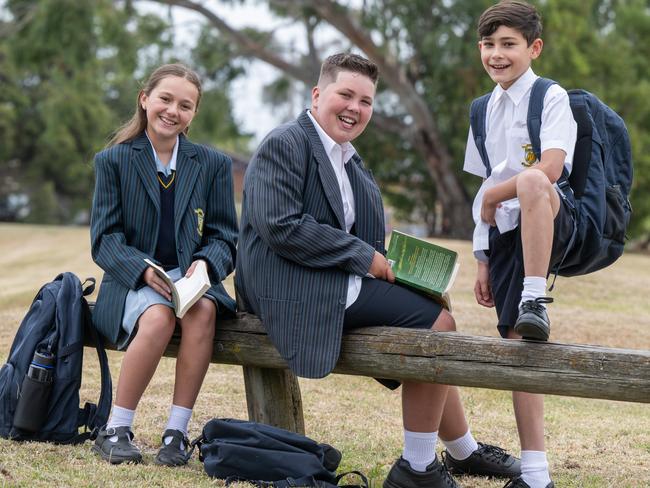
x=498, y=454
x=535, y=305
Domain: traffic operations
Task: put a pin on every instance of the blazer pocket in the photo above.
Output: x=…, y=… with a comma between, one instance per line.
x=281, y=319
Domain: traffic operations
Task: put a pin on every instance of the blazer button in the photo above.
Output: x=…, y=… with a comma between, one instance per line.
x=180, y=250
x=342, y=301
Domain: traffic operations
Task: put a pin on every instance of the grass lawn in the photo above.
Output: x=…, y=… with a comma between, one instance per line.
x=591, y=443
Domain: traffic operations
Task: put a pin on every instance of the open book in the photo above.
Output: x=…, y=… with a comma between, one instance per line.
x=423, y=266
x=186, y=291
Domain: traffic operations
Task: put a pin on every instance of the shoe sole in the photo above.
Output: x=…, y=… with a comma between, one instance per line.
x=116, y=459
x=531, y=331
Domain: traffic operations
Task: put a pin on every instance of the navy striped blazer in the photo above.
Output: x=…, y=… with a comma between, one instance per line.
x=126, y=216
x=294, y=256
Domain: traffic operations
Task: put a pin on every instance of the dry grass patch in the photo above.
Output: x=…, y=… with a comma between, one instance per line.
x=591, y=443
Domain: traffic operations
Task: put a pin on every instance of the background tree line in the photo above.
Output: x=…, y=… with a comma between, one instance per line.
x=68, y=71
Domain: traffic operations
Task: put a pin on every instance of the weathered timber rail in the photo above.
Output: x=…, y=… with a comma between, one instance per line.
x=273, y=394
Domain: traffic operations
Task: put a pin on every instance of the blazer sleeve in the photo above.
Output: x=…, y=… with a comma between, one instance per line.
x=218, y=245
x=275, y=205
x=108, y=243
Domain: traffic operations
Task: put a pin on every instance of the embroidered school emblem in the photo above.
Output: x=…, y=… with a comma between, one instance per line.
x=529, y=155
x=199, y=220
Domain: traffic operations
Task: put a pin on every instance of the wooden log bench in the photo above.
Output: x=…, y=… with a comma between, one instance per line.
x=273, y=394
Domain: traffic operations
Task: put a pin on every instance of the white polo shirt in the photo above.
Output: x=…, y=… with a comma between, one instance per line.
x=339, y=155
x=507, y=144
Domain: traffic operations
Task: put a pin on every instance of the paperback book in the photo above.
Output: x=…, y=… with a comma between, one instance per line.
x=423, y=266
x=186, y=291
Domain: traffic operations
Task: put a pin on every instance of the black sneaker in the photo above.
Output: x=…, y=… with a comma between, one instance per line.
x=401, y=475
x=120, y=451
x=519, y=483
x=533, y=322
x=487, y=460
x=172, y=454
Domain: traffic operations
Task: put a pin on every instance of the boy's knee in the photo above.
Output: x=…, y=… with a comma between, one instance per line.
x=445, y=322
x=532, y=183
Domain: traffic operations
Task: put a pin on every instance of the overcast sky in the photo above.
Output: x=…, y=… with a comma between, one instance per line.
x=253, y=115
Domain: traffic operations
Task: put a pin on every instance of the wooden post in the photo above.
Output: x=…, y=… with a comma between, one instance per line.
x=273, y=397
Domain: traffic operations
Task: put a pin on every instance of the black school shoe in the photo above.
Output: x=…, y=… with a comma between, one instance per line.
x=401, y=475
x=487, y=460
x=519, y=483
x=533, y=322
x=120, y=451
x=171, y=454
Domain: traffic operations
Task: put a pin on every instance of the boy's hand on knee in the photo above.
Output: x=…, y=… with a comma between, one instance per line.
x=482, y=287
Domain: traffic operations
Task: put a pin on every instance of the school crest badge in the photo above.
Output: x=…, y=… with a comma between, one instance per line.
x=529, y=155
x=199, y=220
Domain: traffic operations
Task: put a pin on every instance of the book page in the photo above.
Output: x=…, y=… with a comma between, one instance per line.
x=191, y=289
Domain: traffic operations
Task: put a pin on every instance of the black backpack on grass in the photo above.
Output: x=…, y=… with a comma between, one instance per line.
x=268, y=456
x=39, y=383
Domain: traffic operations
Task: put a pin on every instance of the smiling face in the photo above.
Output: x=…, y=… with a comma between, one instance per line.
x=343, y=107
x=170, y=107
x=506, y=55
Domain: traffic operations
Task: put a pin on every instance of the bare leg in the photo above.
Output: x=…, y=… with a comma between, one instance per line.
x=540, y=204
x=195, y=351
x=453, y=424
x=529, y=414
x=155, y=328
x=423, y=403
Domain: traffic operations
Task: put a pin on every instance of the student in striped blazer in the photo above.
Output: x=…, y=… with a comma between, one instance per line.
x=311, y=265
x=160, y=196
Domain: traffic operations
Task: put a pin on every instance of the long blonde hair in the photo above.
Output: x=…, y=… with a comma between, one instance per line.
x=138, y=121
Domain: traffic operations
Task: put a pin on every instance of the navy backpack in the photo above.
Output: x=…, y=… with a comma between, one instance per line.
x=267, y=456
x=43, y=371
x=600, y=179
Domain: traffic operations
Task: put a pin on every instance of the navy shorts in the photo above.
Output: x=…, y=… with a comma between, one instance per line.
x=507, y=264
x=383, y=303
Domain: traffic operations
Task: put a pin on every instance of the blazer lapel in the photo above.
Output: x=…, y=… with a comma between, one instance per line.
x=187, y=172
x=145, y=166
x=325, y=170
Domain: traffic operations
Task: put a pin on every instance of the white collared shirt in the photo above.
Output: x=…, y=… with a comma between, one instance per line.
x=339, y=155
x=160, y=167
x=507, y=142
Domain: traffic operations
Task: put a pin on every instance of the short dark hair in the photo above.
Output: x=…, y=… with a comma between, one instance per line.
x=354, y=63
x=520, y=16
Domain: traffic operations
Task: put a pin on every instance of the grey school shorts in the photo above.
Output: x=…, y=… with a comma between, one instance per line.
x=507, y=264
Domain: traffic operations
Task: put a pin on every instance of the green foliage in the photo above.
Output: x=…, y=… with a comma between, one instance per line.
x=69, y=75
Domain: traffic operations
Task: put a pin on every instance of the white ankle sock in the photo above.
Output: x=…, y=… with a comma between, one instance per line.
x=419, y=449
x=534, y=469
x=534, y=287
x=463, y=447
x=120, y=417
x=179, y=418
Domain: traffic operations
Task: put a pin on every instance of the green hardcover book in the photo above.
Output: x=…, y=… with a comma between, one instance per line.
x=423, y=266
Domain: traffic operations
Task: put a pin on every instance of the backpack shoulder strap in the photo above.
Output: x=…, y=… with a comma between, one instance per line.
x=534, y=122
x=535, y=108
x=477, y=116
x=92, y=416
